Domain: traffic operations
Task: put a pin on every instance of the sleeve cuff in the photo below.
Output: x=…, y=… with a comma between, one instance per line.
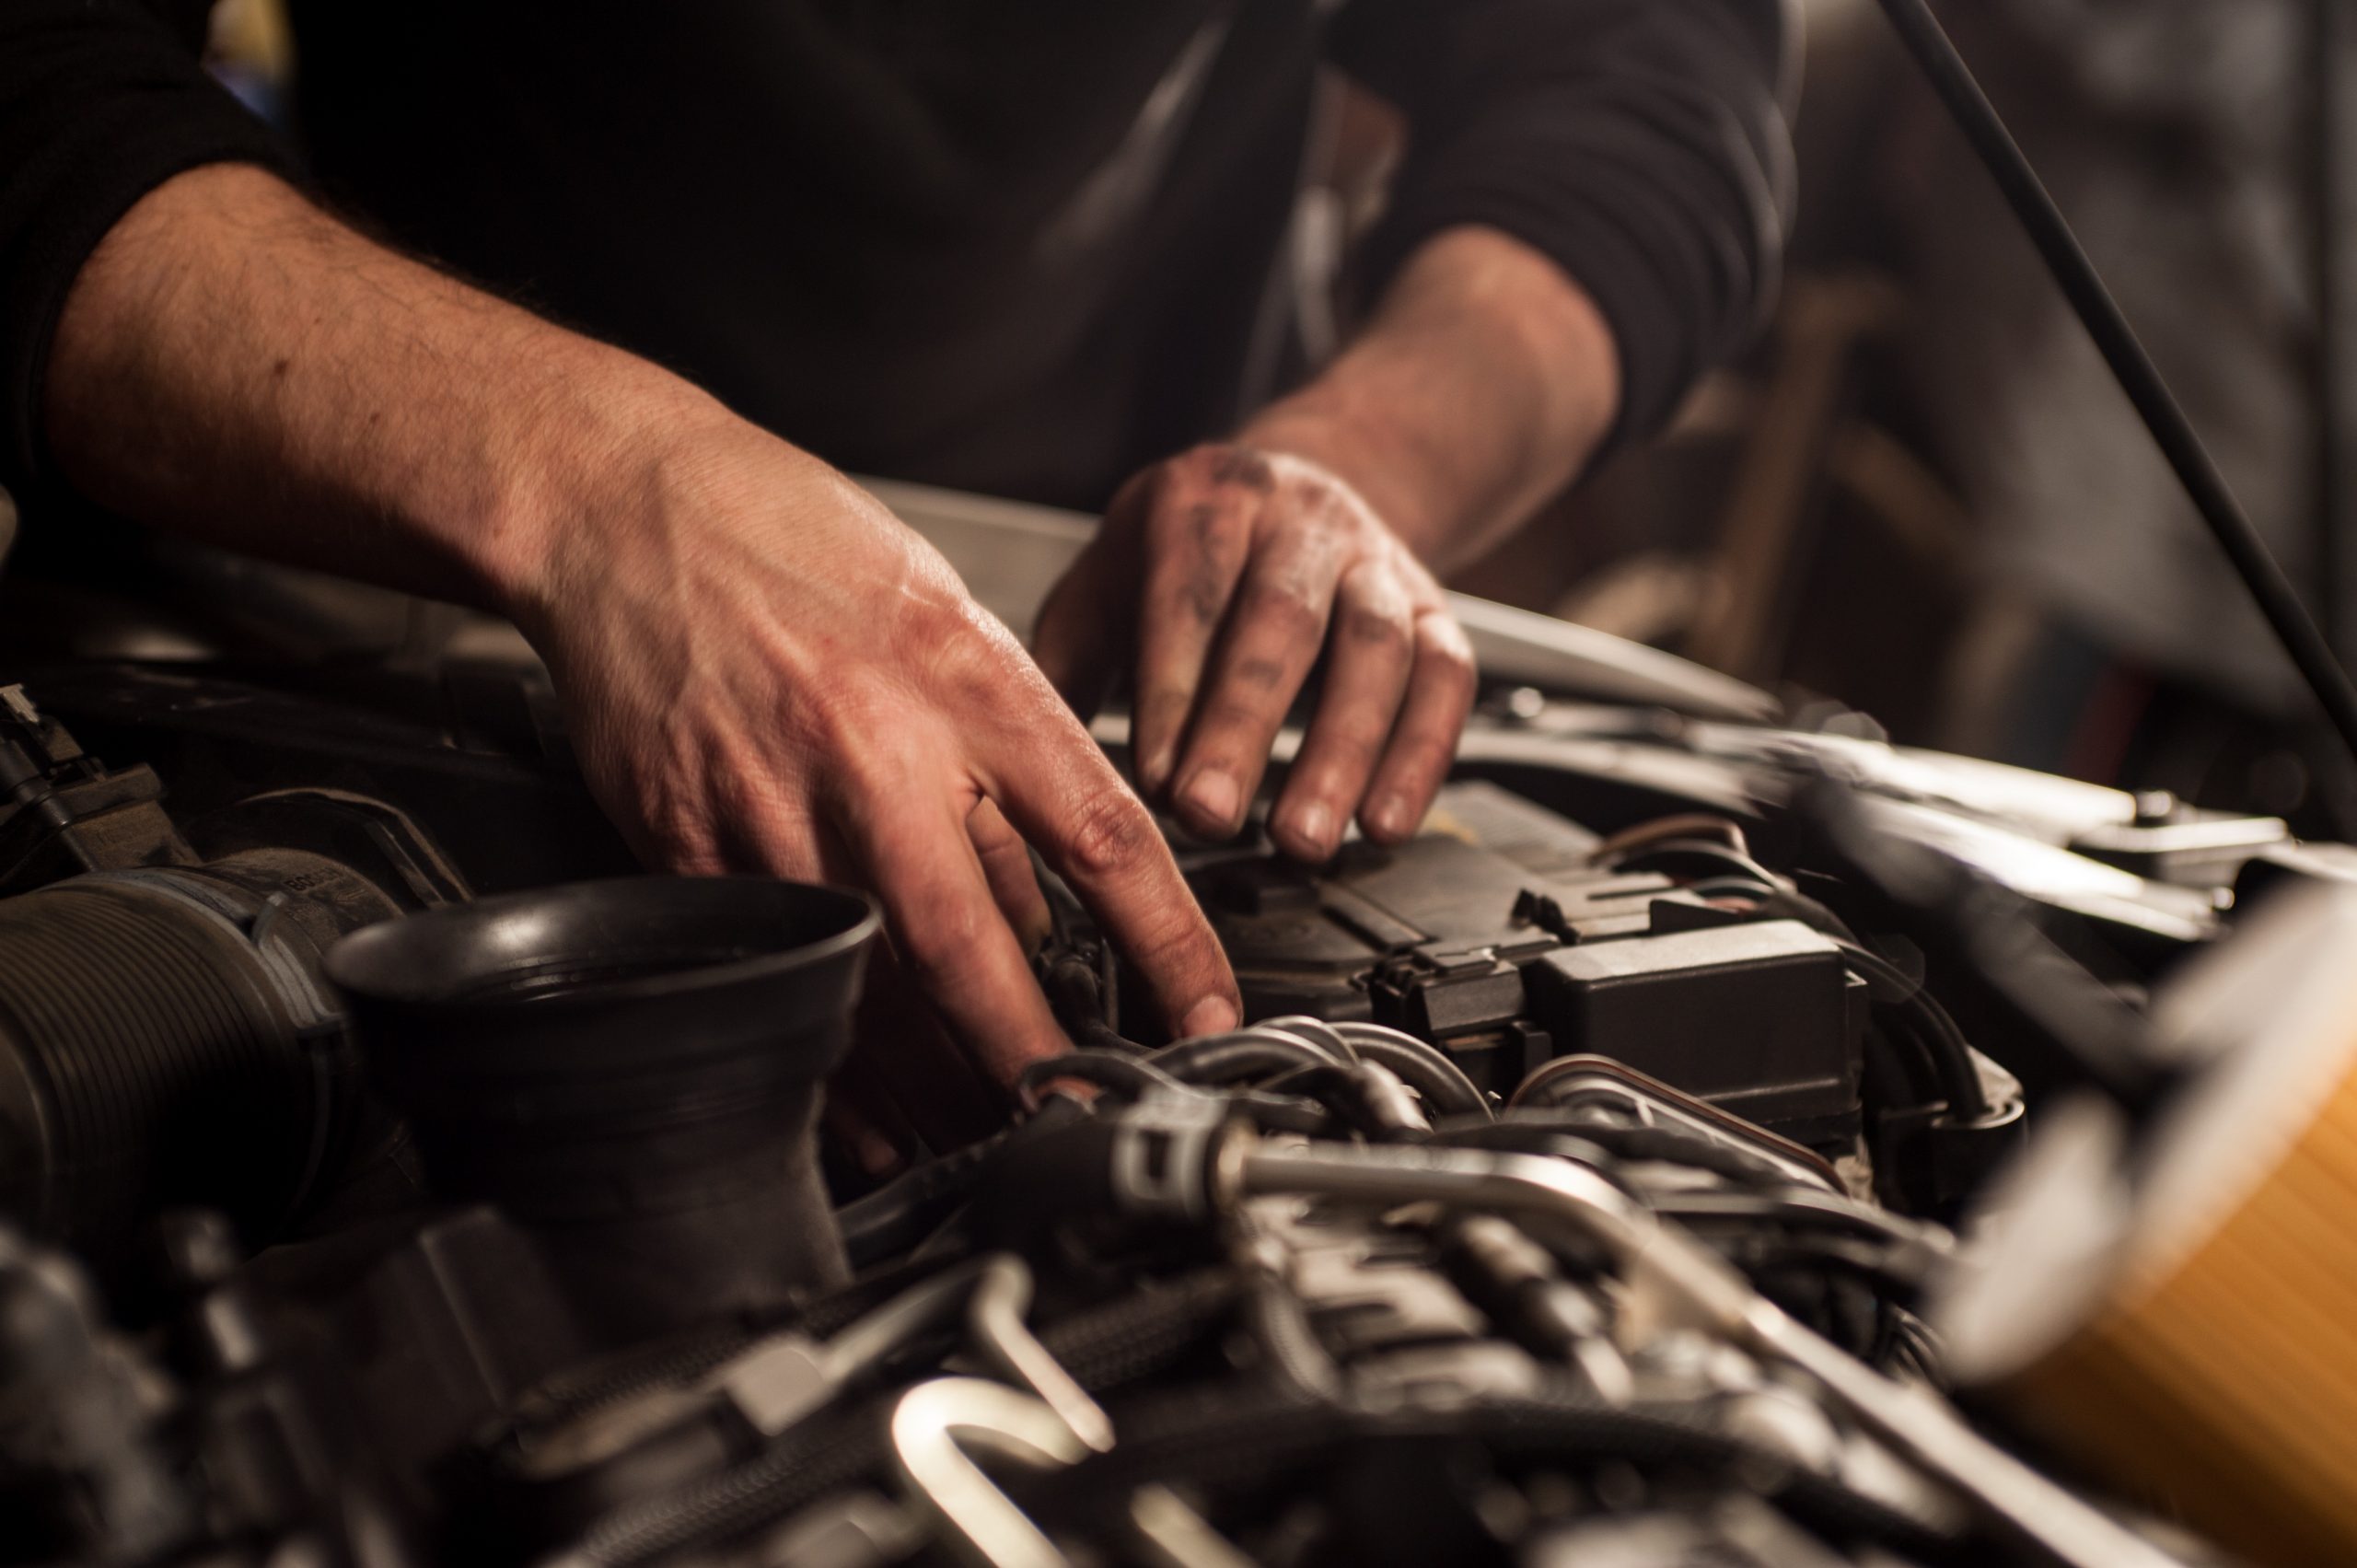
x=99, y=157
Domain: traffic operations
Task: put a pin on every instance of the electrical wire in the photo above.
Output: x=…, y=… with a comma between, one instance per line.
x=1938, y=1036
x=1686, y=826
x=904, y=1212
x=1935, y=1033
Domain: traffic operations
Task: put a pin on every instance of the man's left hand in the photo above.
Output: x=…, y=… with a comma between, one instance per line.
x=1224, y=574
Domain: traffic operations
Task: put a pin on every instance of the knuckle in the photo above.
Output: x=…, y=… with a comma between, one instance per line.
x=972, y=657
x=1173, y=940
x=1445, y=648
x=1255, y=681
x=1381, y=628
x=1286, y=609
x=1110, y=835
x=1439, y=632
x=1198, y=565
x=1166, y=946
x=1233, y=723
x=840, y=712
x=1353, y=749
x=1424, y=762
x=1181, y=481
x=1431, y=757
x=1226, y=464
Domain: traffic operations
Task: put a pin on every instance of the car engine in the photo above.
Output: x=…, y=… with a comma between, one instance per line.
x=392, y=1179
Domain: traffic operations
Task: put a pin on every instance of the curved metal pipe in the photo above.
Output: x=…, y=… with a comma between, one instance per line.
x=933, y=1427
x=1425, y=1068
x=1706, y=1292
x=1001, y=1297
x=1315, y=1031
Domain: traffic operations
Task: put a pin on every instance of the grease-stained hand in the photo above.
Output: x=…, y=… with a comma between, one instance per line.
x=767, y=671
x=1225, y=572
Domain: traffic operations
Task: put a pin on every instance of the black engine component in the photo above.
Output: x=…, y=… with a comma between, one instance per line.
x=1511, y=937
x=166, y=1035
x=1526, y=1216
x=163, y=1038
x=1762, y=1020
x=630, y=1071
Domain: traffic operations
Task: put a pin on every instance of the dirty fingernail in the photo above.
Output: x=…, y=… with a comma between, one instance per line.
x=1212, y=1016
x=1213, y=794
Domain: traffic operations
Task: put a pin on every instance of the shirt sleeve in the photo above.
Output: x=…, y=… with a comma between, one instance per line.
x=101, y=101
x=1642, y=145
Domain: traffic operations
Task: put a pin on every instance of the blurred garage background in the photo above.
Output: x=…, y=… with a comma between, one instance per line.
x=1922, y=497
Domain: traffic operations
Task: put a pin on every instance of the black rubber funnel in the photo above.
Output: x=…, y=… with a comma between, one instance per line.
x=630, y=1071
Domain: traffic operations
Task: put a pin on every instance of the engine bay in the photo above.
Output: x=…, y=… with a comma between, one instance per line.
x=391, y=1178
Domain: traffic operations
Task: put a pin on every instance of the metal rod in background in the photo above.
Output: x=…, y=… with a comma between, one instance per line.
x=2327, y=42
x=2277, y=600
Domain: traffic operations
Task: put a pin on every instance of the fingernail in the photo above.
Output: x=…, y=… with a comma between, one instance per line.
x=1389, y=818
x=1212, y=1016
x=1213, y=794
x=1315, y=827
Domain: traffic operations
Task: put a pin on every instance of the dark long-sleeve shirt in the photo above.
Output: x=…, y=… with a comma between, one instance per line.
x=1020, y=247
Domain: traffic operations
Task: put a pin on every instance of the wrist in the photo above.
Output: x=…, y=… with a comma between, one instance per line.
x=1365, y=448
x=1482, y=387
x=580, y=463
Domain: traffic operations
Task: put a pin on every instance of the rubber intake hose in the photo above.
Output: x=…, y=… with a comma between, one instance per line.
x=166, y=1040
x=631, y=1070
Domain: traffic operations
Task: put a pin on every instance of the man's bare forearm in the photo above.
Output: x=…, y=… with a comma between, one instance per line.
x=238, y=366
x=762, y=670
x=1482, y=387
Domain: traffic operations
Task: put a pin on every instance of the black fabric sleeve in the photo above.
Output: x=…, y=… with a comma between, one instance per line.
x=101, y=101
x=1640, y=144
